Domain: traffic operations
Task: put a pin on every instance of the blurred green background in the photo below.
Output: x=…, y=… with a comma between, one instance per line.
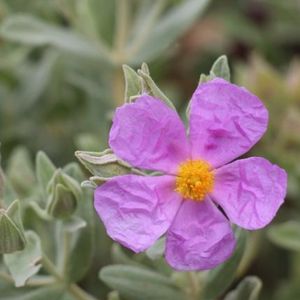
x=61, y=78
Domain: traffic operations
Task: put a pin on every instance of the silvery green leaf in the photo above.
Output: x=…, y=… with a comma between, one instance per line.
x=220, y=278
x=11, y=237
x=220, y=68
x=158, y=249
x=82, y=240
x=163, y=32
x=286, y=235
x=20, y=171
x=133, y=83
x=44, y=169
x=33, y=31
x=139, y=283
x=145, y=68
x=248, y=289
x=62, y=203
x=151, y=88
x=53, y=292
x=74, y=170
x=103, y=164
x=24, y=264
x=13, y=212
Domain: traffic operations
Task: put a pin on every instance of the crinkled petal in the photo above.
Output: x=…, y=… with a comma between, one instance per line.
x=225, y=121
x=250, y=191
x=149, y=135
x=137, y=210
x=200, y=237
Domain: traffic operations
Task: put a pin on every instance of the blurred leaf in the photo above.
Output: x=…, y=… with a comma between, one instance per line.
x=53, y=292
x=166, y=30
x=157, y=250
x=34, y=80
x=248, y=289
x=20, y=171
x=138, y=284
x=30, y=30
x=220, y=278
x=133, y=83
x=44, y=169
x=220, y=68
x=103, y=164
x=24, y=264
x=286, y=235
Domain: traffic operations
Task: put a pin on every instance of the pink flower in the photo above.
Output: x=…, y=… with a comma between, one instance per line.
x=198, y=176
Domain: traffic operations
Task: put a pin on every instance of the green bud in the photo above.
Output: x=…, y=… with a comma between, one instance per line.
x=104, y=164
x=63, y=203
x=64, y=192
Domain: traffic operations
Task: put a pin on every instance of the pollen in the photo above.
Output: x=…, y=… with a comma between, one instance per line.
x=194, y=180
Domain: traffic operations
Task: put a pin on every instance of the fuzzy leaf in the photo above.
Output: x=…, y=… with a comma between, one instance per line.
x=53, y=292
x=80, y=229
x=151, y=88
x=20, y=171
x=220, y=68
x=103, y=164
x=139, y=284
x=44, y=169
x=133, y=83
x=24, y=264
x=248, y=289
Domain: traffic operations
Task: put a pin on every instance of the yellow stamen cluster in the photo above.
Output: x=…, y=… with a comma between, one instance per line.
x=194, y=180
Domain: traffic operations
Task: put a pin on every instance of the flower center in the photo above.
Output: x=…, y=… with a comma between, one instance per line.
x=195, y=178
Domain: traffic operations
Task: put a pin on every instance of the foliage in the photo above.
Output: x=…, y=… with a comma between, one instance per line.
x=61, y=75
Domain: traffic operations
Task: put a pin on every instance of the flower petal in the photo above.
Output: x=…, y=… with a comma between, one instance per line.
x=250, y=191
x=225, y=121
x=137, y=210
x=200, y=237
x=148, y=134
